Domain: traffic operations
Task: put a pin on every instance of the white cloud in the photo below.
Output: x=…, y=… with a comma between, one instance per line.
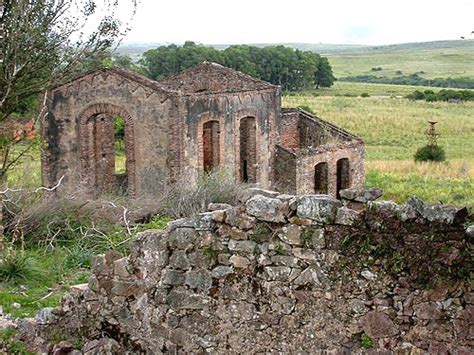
x=336, y=21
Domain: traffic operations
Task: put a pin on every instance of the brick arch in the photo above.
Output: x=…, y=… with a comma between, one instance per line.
x=202, y=119
x=86, y=139
x=238, y=117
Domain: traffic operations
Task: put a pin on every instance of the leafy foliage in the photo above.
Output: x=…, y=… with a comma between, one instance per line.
x=366, y=342
x=430, y=153
x=414, y=79
x=279, y=65
x=442, y=95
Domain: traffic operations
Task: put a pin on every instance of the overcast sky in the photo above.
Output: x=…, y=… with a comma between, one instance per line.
x=309, y=21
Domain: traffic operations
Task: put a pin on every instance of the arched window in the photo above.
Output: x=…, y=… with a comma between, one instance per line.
x=119, y=142
x=321, y=178
x=210, y=145
x=107, y=154
x=343, y=175
x=248, y=150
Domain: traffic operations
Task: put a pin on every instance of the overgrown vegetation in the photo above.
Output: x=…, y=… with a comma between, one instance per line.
x=430, y=153
x=48, y=246
x=442, y=95
x=413, y=79
x=279, y=65
x=392, y=127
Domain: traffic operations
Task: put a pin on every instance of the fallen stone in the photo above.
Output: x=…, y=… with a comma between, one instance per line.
x=368, y=275
x=218, y=216
x=247, y=194
x=319, y=208
x=221, y=271
x=102, y=346
x=291, y=234
x=45, y=316
x=470, y=231
x=277, y=273
x=199, y=279
x=310, y=276
x=445, y=214
x=427, y=311
x=239, y=261
x=412, y=209
x=385, y=206
x=182, y=238
x=172, y=277
x=218, y=206
x=346, y=216
x=361, y=194
x=242, y=246
x=378, y=325
x=267, y=209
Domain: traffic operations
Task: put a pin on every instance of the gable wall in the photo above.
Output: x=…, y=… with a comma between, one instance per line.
x=149, y=113
x=228, y=109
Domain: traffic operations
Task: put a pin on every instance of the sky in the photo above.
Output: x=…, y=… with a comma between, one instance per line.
x=370, y=22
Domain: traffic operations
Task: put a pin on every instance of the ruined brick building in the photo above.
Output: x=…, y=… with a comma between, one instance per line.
x=205, y=117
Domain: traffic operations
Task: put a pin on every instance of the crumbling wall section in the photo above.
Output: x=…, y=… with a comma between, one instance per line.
x=306, y=162
x=230, y=110
x=147, y=110
x=282, y=273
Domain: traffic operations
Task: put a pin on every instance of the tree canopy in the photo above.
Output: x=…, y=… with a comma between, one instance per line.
x=293, y=69
x=43, y=42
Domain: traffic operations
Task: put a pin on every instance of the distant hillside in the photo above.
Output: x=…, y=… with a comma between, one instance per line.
x=428, y=59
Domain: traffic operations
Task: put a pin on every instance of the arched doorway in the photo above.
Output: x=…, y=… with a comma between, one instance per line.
x=248, y=149
x=107, y=150
x=343, y=175
x=210, y=145
x=321, y=178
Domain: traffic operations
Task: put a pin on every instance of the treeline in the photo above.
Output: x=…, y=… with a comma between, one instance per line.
x=442, y=95
x=414, y=79
x=292, y=69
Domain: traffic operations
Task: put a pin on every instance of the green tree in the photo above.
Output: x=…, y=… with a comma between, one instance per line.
x=44, y=42
x=323, y=77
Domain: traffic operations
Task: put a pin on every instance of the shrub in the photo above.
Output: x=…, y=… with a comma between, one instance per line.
x=364, y=94
x=16, y=267
x=306, y=108
x=430, y=153
x=181, y=200
x=366, y=342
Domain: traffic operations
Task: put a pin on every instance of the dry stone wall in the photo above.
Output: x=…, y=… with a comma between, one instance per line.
x=282, y=274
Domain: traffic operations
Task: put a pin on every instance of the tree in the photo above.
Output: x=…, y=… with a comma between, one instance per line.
x=44, y=42
x=323, y=76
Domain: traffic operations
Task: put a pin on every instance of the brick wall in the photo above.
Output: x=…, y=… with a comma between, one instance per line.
x=305, y=167
x=285, y=170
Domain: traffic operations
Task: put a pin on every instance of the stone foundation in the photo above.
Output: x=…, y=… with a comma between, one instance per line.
x=282, y=274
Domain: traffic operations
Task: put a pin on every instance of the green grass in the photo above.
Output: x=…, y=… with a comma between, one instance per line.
x=429, y=188
x=48, y=279
x=393, y=129
x=48, y=273
x=454, y=61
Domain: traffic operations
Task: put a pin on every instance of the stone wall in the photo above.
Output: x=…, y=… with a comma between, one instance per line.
x=281, y=274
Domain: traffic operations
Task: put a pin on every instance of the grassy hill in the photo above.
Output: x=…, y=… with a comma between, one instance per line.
x=429, y=59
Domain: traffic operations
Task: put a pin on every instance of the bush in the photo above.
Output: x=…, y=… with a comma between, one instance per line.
x=430, y=153
x=16, y=267
x=181, y=200
x=306, y=108
x=364, y=94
